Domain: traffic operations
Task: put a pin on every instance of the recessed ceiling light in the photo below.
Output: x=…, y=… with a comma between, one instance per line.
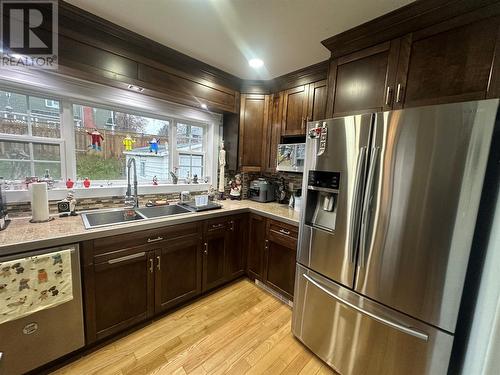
x=204, y=106
x=255, y=63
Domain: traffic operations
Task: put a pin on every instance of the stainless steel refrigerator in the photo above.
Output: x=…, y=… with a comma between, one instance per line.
x=391, y=201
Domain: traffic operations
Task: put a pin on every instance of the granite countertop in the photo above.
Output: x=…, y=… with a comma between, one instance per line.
x=21, y=235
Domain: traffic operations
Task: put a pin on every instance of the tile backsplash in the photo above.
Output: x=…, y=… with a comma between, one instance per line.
x=23, y=209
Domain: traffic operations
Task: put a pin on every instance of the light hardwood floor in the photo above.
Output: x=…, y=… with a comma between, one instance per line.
x=237, y=330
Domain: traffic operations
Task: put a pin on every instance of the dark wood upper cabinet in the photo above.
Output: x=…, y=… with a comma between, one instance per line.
x=316, y=108
x=448, y=63
x=273, y=131
x=230, y=135
x=178, y=272
x=364, y=80
x=122, y=293
x=253, y=125
x=295, y=102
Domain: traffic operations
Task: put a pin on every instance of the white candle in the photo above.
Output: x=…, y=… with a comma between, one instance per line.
x=39, y=201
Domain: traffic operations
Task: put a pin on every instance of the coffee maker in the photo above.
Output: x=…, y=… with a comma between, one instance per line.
x=4, y=217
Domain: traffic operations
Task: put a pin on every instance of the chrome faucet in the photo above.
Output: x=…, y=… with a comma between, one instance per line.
x=131, y=201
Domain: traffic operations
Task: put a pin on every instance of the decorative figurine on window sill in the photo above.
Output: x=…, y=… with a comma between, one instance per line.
x=128, y=142
x=70, y=183
x=155, y=181
x=153, y=145
x=235, y=192
x=67, y=206
x=174, y=176
x=86, y=182
x=195, y=179
x=222, y=165
x=95, y=139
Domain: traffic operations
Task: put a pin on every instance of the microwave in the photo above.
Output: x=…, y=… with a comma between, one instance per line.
x=290, y=157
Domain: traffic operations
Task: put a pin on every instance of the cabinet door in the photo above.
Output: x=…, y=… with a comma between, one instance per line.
x=364, y=80
x=295, y=103
x=317, y=101
x=178, y=272
x=256, y=243
x=279, y=267
x=253, y=125
x=214, y=259
x=122, y=292
x=236, y=244
x=445, y=63
x=273, y=131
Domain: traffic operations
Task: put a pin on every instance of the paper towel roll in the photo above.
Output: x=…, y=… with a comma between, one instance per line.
x=39, y=201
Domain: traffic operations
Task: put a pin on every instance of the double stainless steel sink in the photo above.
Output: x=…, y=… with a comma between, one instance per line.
x=124, y=215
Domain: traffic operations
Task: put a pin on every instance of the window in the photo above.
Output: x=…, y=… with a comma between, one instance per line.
x=51, y=103
x=35, y=140
x=30, y=143
x=191, y=148
x=105, y=140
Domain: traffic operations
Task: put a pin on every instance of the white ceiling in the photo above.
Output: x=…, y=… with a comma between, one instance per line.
x=286, y=34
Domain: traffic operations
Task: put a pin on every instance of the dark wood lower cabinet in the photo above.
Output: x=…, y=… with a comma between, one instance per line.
x=236, y=246
x=272, y=248
x=280, y=257
x=168, y=266
x=123, y=286
x=256, y=243
x=178, y=273
x=214, y=255
x=224, y=250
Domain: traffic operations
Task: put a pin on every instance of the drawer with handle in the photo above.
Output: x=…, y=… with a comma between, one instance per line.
x=147, y=237
x=217, y=225
x=282, y=233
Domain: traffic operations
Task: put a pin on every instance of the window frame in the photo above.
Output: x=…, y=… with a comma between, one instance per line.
x=66, y=141
x=203, y=153
x=30, y=139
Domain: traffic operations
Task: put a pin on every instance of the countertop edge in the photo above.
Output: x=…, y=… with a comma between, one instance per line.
x=90, y=234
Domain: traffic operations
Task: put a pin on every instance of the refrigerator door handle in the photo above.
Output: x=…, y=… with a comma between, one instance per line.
x=365, y=218
x=358, y=191
x=389, y=323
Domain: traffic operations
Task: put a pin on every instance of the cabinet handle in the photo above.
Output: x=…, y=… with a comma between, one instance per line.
x=232, y=225
x=388, y=95
x=217, y=226
x=399, y=90
x=287, y=232
x=267, y=244
x=151, y=265
x=158, y=264
x=126, y=257
x=155, y=239
x=206, y=249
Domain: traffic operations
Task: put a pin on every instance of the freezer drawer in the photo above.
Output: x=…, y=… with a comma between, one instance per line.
x=357, y=336
x=43, y=336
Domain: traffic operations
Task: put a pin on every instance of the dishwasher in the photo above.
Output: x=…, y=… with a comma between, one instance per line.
x=41, y=315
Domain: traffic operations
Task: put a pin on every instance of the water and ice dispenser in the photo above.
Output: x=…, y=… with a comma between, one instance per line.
x=322, y=198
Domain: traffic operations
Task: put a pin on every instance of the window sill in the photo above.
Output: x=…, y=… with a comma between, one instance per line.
x=18, y=196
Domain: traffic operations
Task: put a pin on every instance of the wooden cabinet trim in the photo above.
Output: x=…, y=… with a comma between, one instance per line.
x=379, y=48
x=493, y=90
